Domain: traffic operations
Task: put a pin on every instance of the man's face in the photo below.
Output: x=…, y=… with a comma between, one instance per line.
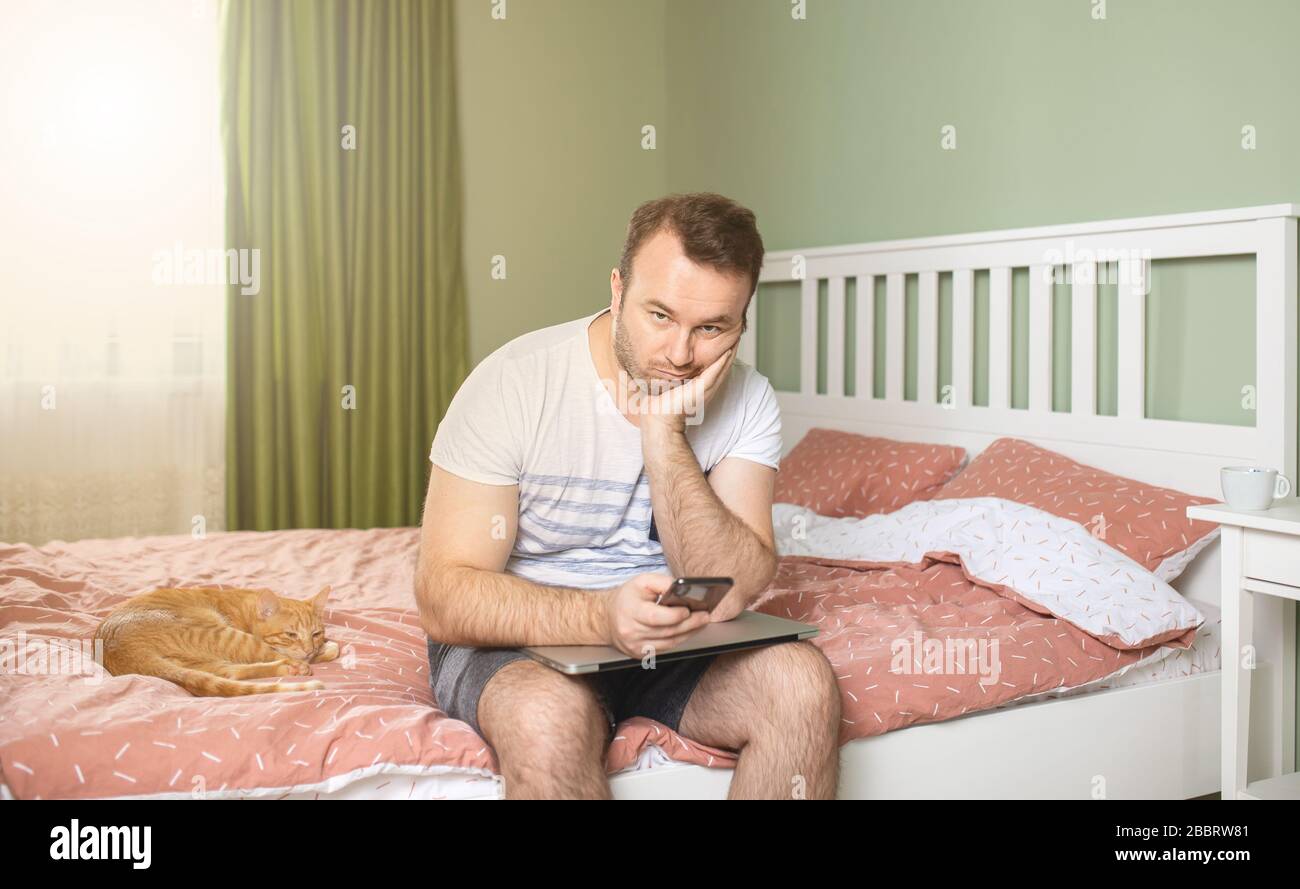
x=674, y=318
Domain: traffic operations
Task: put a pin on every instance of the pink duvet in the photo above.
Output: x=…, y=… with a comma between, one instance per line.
x=97, y=735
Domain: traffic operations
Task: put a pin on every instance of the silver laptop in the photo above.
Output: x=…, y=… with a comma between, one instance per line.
x=749, y=629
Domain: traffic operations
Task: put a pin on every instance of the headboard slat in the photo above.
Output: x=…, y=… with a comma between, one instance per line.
x=808, y=336
x=963, y=335
x=927, y=336
x=864, y=358
x=1131, y=339
x=1083, y=338
x=896, y=337
x=835, y=336
x=1040, y=337
x=999, y=337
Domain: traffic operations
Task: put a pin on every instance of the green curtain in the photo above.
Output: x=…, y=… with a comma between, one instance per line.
x=362, y=283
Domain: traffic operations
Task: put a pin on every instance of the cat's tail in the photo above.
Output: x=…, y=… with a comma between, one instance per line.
x=205, y=684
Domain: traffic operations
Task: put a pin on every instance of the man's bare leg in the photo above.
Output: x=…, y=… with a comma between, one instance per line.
x=780, y=707
x=549, y=732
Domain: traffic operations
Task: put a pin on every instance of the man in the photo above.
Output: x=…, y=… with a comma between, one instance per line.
x=578, y=469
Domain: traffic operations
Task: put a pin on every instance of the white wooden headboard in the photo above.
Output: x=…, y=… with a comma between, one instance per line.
x=1176, y=454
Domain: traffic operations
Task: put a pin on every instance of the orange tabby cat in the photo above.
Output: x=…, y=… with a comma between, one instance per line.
x=205, y=639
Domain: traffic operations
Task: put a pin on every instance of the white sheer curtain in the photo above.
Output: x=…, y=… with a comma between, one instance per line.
x=112, y=367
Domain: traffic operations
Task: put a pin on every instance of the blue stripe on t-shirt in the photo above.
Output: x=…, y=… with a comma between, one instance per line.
x=595, y=484
x=579, y=506
x=547, y=545
x=586, y=566
x=588, y=530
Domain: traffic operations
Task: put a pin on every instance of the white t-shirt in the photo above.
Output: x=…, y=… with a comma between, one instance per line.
x=534, y=413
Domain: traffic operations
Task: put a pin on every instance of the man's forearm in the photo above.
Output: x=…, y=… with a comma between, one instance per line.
x=700, y=536
x=471, y=606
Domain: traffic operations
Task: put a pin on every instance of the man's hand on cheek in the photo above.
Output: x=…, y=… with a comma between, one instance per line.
x=668, y=410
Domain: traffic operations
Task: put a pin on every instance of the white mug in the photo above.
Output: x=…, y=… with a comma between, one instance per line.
x=1250, y=487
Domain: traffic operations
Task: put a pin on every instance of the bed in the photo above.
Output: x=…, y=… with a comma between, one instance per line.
x=375, y=731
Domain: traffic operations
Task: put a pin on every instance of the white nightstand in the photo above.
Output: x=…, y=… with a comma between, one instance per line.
x=1260, y=556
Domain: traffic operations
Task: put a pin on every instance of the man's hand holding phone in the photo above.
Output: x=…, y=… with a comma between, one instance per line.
x=642, y=612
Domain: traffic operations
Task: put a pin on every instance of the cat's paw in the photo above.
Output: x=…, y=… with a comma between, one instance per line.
x=294, y=668
x=328, y=652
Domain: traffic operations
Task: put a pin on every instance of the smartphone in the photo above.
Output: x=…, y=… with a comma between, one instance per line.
x=696, y=593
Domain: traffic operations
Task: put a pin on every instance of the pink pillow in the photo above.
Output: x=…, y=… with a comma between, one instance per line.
x=842, y=474
x=1147, y=523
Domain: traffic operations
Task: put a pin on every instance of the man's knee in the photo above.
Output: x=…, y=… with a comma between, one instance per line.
x=528, y=707
x=800, y=679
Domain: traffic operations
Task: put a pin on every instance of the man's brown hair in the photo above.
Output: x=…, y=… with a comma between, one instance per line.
x=714, y=231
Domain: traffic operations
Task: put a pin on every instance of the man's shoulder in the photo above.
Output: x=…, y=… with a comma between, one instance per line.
x=526, y=361
x=539, y=343
x=747, y=397
x=749, y=386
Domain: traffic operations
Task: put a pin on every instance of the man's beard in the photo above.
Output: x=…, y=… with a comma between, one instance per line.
x=626, y=358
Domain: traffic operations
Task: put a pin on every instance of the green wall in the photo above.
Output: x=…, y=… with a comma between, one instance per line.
x=552, y=102
x=830, y=129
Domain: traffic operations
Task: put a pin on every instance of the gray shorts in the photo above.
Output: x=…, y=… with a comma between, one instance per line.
x=459, y=673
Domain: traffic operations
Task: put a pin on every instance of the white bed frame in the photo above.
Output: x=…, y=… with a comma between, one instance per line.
x=1159, y=740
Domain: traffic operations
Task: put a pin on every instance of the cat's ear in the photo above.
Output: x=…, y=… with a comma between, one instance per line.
x=319, y=600
x=267, y=604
